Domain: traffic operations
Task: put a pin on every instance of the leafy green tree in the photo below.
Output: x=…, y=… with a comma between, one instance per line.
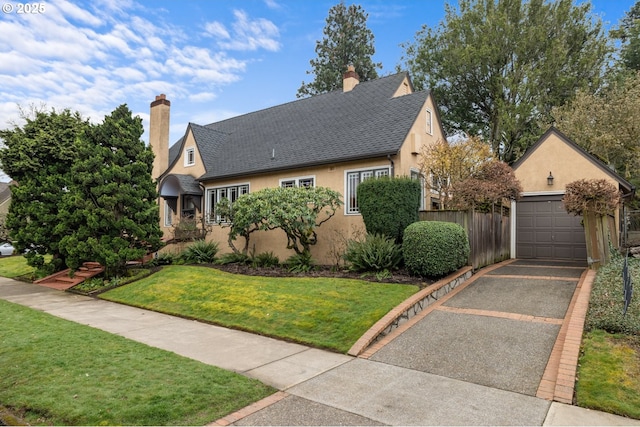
x=111, y=212
x=497, y=67
x=347, y=41
x=39, y=156
x=297, y=211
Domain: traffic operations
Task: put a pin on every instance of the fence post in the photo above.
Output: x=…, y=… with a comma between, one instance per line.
x=597, y=236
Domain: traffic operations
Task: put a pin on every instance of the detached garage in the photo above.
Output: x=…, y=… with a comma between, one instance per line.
x=541, y=228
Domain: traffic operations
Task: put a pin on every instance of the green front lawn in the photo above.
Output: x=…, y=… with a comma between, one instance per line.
x=56, y=372
x=609, y=375
x=327, y=313
x=15, y=266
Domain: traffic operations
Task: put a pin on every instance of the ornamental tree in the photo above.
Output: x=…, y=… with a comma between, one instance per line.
x=595, y=196
x=493, y=182
x=297, y=211
x=447, y=163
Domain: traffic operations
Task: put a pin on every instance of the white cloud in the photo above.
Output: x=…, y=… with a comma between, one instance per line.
x=216, y=29
x=93, y=56
x=70, y=10
x=246, y=35
x=272, y=4
x=202, y=97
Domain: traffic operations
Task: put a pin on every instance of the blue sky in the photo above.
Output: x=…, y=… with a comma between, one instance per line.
x=213, y=59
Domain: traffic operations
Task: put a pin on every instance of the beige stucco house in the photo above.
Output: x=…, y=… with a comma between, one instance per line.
x=334, y=140
x=541, y=228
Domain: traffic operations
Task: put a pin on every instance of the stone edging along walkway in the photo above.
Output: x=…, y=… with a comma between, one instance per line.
x=409, y=308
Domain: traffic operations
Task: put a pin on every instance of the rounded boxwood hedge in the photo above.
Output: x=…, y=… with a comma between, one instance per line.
x=433, y=248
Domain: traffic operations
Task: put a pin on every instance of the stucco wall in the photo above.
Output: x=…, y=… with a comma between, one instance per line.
x=565, y=163
x=333, y=233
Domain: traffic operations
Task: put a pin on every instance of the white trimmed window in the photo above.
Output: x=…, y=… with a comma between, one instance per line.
x=354, y=178
x=214, y=195
x=428, y=124
x=168, y=214
x=307, y=181
x=190, y=156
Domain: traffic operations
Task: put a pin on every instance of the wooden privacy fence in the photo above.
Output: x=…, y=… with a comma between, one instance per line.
x=489, y=233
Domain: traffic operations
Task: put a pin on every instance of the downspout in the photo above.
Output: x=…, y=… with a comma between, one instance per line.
x=392, y=165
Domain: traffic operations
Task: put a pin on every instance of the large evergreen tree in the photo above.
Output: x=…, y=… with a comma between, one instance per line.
x=497, y=67
x=628, y=33
x=111, y=206
x=347, y=41
x=39, y=156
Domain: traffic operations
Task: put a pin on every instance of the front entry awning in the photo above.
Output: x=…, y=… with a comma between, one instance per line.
x=175, y=185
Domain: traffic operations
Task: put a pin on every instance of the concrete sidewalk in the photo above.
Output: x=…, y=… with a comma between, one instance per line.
x=318, y=387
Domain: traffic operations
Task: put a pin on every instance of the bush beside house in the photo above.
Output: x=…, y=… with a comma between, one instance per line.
x=389, y=205
x=433, y=248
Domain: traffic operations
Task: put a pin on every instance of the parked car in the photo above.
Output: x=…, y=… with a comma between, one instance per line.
x=6, y=249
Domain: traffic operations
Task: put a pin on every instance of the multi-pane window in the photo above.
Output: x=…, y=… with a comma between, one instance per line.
x=307, y=182
x=353, y=180
x=215, y=195
x=190, y=157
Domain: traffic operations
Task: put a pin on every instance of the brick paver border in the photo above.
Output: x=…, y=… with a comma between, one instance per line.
x=251, y=409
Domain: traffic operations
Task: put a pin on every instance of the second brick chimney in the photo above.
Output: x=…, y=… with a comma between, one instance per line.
x=159, y=134
x=350, y=79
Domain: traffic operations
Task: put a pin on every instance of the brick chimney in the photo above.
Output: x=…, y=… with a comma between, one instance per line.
x=350, y=79
x=159, y=134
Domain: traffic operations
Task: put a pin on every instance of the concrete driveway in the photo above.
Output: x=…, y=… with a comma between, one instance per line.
x=498, y=332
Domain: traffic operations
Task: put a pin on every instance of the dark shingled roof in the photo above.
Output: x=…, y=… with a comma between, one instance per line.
x=338, y=126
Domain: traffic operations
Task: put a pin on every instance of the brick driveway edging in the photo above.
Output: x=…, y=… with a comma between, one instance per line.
x=409, y=308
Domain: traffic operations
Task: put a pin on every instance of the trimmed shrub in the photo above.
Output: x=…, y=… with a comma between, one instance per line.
x=433, y=248
x=200, y=252
x=389, y=205
x=300, y=263
x=164, y=258
x=234, y=258
x=266, y=260
x=375, y=253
